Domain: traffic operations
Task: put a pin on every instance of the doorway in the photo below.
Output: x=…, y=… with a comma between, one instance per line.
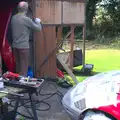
x=8, y=8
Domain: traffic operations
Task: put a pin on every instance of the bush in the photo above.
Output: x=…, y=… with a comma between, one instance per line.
x=115, y=43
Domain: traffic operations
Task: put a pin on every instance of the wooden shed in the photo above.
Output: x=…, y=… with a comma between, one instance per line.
x=54, y=13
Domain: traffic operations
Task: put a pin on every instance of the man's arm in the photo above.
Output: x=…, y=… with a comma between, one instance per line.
x=33, y=25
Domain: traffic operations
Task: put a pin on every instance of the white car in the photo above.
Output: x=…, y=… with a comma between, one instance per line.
x=96, y=98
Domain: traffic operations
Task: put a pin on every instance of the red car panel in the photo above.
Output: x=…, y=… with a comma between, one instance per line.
x=5, y=48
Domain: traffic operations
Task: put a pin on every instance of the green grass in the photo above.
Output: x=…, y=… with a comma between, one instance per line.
x=103, y=60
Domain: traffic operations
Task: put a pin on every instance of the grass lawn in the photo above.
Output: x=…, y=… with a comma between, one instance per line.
x=103, y=60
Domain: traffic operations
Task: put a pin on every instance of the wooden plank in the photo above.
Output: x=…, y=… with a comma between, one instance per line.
x=59, y=36
x=65, y=56
x=49, y=11
x=51, y=44
x=45, y=43
x=73, y=13
x=54, y=12
x=67, y=69
x=72, y=48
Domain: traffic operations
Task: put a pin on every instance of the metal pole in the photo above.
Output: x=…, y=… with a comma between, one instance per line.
x=83, y=59
x=84, y=36
x=33, y=107
x=34, y=42
x=72, y=48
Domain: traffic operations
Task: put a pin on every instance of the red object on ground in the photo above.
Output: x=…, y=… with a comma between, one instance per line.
x=59, y=73
x=11, y=75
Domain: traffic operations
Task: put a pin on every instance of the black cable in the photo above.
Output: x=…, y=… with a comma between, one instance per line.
x=25, y=108
x=25, y=116
x=58, y=93
x=37, y=103
x=55, y=86
x=48, y=108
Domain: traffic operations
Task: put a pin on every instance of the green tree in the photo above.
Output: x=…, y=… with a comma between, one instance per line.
x=90, y=13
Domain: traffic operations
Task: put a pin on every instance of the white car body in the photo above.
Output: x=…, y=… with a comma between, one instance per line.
x=94, y=92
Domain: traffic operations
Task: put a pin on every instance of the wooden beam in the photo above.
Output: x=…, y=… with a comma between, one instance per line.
x=71, y=48
x=59, y=35
x=67, y=69
x=83, y=60
x=45, y=43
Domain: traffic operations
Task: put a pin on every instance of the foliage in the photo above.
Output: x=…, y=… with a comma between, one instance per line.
x=90, y=12
x=102, y=21
x=115, y=43
x=107, y=18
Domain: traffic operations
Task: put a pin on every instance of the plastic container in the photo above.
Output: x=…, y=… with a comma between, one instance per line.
x=30, y=72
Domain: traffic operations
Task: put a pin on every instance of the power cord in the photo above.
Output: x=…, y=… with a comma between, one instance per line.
x=37, y=103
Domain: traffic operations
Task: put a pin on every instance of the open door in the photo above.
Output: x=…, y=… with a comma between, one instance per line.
x=7, y=9
x=5, y=47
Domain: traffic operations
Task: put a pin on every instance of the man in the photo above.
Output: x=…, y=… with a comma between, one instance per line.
x=21, y=27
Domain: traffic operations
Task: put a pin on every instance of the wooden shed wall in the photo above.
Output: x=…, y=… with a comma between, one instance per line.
x=44, y=44
x=49, y=11
x=60, y=12
x=73, y=13
x=53, y=12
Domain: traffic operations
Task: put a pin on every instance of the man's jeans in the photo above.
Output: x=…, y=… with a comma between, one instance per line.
x=21, y=59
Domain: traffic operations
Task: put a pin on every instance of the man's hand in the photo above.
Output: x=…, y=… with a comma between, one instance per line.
x=37, y=20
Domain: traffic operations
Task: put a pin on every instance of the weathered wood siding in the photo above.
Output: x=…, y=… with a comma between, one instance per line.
x=49, y=11
x=73, y=13
x=44, y=45
x=53, y=12
x=60, y=12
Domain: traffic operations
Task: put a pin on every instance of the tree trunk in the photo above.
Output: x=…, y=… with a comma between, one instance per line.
x=90, y=13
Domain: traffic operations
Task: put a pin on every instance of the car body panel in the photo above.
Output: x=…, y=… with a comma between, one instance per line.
x=97, y=92
x=5, y=47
